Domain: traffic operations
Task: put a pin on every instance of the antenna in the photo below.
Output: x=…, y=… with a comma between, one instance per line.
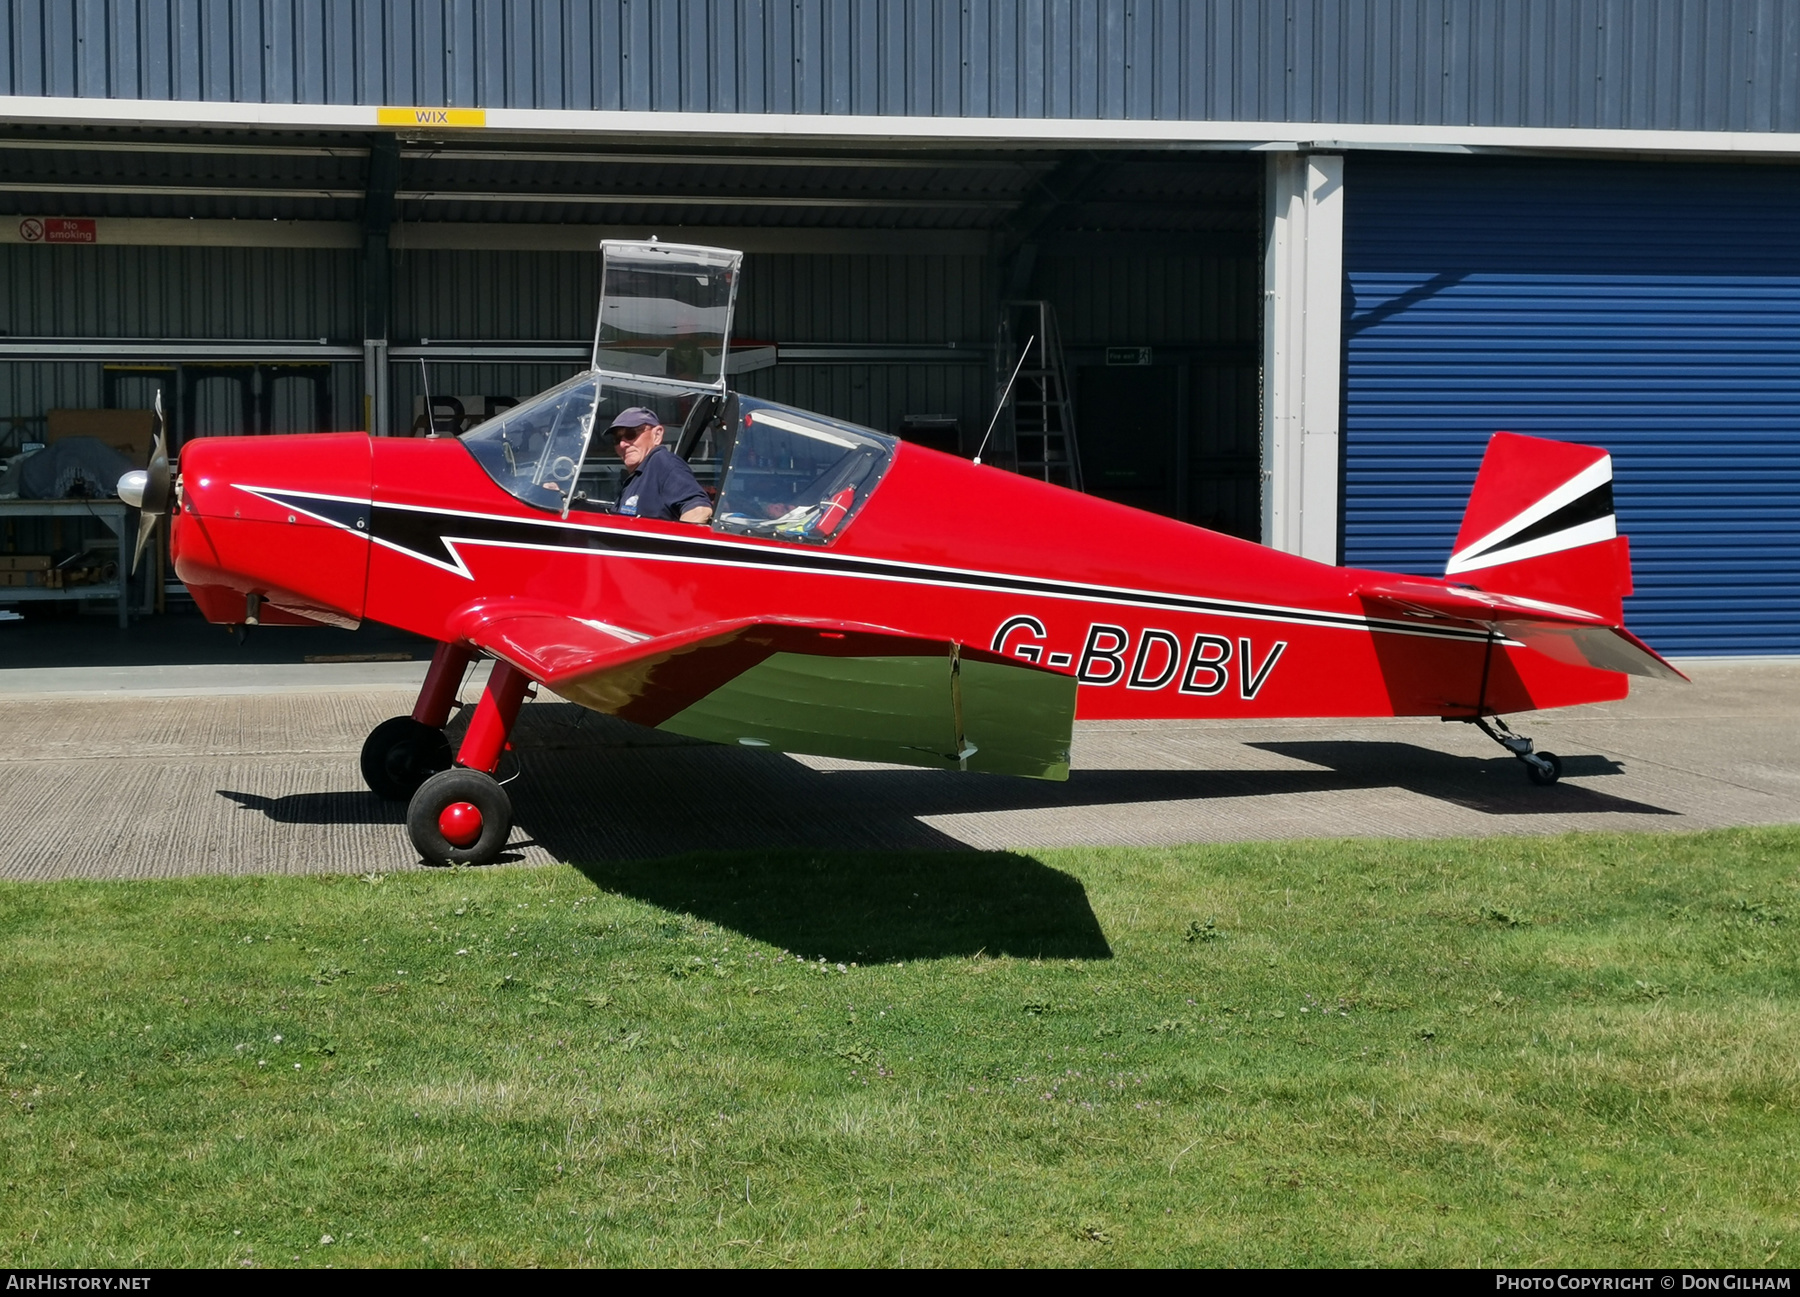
x=1006, y=392
x=430, y=413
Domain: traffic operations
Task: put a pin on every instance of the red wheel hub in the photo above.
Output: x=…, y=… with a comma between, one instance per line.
x=460, y=823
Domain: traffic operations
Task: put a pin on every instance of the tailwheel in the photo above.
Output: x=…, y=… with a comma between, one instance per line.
x=400, y=754
x=1543, y=768
x=459, y=817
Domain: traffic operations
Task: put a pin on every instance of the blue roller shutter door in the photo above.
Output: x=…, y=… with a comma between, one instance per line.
x=1650, y=309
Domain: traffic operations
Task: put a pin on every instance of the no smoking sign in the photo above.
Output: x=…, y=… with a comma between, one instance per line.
x=59, y=229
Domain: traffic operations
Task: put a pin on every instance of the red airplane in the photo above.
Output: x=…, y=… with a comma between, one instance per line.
x=853, y=596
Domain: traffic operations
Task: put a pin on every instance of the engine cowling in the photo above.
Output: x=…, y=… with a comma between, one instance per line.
x=275, y=529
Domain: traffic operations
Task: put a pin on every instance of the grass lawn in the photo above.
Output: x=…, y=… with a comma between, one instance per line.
x=1574, y=1051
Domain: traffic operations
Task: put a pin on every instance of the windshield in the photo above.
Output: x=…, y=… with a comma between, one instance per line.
x=534, y=450
x=665, y=313
x=795, y=475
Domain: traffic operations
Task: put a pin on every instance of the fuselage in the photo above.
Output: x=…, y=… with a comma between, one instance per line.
x=1156, y=618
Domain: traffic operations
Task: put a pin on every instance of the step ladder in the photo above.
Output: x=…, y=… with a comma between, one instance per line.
x=1043, y=420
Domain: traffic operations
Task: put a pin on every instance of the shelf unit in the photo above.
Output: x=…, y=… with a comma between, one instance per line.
x=115, y=514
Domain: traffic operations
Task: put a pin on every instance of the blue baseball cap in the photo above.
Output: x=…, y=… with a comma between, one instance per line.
x=636, y=417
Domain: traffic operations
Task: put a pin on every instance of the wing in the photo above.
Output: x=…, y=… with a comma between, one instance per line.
x=1568, y=635
x=836, y=689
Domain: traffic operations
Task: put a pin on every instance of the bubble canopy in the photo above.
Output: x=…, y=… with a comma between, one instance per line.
x=665, y=314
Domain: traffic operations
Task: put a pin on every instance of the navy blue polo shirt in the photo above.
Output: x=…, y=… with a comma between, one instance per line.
x=663, y=487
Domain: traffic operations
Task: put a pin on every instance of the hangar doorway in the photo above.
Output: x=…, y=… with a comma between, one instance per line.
x=1180, y=439
x=1154, y=269
x=871, y=287
x=885, y=309
x=1129, y=423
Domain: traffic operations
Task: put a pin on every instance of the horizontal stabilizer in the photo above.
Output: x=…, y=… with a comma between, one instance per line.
x=1569, y=635
x=1423, y=597
x=835, y=689
x=1610, y=648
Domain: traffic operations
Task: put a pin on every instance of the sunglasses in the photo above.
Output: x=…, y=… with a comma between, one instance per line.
x=626, y=434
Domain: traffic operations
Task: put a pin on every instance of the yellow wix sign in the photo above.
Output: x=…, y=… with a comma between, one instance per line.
x=431, y=117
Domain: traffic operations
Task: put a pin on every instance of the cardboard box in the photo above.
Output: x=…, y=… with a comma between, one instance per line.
x=95, y=574
x=24, y=562
x=51, y=580
x=129, y=432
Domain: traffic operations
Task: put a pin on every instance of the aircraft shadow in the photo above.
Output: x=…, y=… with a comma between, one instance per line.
x=1492, y=785
x=844, y=864
x=935, y=900
x=358, y=807
x=627, y=794
x=876, y=907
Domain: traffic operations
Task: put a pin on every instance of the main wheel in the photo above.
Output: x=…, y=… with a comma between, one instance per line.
x=400, y=754
x=1544, y=778
x=459, y=817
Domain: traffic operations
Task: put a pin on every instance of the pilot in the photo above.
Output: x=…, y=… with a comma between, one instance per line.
x=658, y=482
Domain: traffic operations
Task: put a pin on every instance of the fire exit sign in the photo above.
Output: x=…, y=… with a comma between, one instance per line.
x=1128, y=355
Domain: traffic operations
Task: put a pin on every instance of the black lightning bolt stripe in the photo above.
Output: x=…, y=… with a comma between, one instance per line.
x=1593, y=506
x=353, y=514
x=430, y=533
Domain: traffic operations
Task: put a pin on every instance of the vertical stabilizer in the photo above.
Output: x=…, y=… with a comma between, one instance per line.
x=1540, y=524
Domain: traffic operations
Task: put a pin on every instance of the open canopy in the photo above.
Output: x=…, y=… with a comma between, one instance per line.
x=665, y=314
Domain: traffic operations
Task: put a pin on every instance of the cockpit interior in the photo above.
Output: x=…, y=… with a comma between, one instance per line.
x=770, y=470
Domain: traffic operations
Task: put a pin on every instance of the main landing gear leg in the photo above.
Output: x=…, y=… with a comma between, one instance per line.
x=438, y=695
x=462, y=816
x=405, y=751
x=1542, y=768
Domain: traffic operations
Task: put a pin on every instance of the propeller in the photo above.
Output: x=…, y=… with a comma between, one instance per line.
x=147, y=489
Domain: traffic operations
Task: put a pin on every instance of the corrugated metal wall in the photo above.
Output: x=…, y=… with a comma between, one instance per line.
x=495, y=296
x=1652, y=310
x=785, y=298
x=1203, y=298
x=866, y=299
x=29, y=391
x=139, y=292
x=1672, y=64
x=900, y=300
x=213, y=294
x=303, y=295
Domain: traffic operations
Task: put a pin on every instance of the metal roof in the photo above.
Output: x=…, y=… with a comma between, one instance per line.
x=1687, y=65
x=98, y=174
x=211, y=175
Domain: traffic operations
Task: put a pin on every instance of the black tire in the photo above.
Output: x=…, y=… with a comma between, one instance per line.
x=1544, y=778
x=400, y=754
x=443, y=790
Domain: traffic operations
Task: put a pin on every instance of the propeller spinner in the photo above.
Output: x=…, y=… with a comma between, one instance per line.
x=147, y=489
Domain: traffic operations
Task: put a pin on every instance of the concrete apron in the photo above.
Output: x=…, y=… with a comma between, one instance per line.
x=155, y=772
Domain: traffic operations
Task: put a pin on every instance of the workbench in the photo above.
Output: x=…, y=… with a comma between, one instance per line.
x=116, y=514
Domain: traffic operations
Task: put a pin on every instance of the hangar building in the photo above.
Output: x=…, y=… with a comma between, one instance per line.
x=1302, y=256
